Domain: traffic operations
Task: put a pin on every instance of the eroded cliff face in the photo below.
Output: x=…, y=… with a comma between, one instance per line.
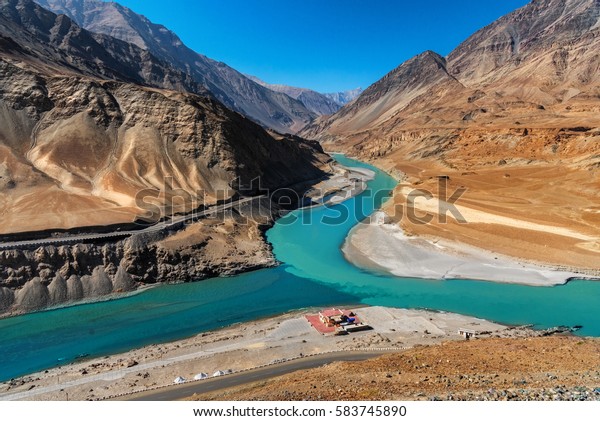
x=37, y=278
x=78, y=152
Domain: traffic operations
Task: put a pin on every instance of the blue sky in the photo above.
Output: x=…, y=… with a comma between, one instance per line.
x=326, y=45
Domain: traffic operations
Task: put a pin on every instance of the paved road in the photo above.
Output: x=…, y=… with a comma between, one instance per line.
x=122, y=234
x=177, y=392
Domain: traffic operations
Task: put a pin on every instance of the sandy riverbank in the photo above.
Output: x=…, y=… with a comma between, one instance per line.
x=384, y=246
x=345, y=183
x=240, y=347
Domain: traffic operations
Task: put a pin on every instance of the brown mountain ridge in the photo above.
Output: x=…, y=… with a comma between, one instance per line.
x=512, y=114
x=271, y=109
x=87, y=123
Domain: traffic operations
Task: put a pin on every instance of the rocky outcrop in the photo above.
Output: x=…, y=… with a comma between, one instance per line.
x=58, y=290
x=122, y=281
x=33, y=296
x=7, y=298
x=74, y=289
x=50, y=276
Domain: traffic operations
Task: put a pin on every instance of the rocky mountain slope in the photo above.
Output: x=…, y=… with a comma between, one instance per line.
x=56, y=45
x=529, y=64
x=382, y=100
x=510, y=112
x=316, y=102
x=95, y=131
x=271, y=109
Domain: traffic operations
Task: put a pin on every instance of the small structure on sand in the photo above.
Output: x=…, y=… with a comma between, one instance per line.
x=336, y=321
x=467, y=333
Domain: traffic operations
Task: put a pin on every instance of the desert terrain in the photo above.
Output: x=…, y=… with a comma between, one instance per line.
x=540, y=368
x=386, y=246
x=541, y=212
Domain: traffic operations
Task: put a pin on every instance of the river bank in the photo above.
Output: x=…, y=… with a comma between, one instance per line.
x=241, y=347
x=344, y=183
x=223, y=243
x=383, y=246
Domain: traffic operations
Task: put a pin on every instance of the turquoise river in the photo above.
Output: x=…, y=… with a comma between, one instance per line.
x=314, y=273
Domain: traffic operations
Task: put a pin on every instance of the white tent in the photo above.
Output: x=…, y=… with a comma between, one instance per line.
x=179, y=380
x=200, y=376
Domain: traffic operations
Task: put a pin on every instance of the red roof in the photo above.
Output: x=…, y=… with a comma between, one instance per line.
x=315, y=322
x=315, y=319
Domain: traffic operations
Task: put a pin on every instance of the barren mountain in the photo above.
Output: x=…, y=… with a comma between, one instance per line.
x=316, y=102
x=71, y=136
x=55, y=44
x=382, y=100
x=512, y=114
x=95, y=131
x=272, y=109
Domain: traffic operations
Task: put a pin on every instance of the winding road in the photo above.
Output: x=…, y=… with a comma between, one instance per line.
x=177, y=392
x=123, y=234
